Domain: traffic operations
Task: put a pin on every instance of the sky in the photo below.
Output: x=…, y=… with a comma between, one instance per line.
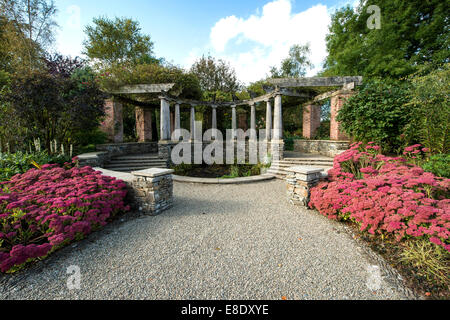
x=251, y=35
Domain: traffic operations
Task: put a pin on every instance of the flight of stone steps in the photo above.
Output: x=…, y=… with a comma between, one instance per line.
x=136, y=162
x=278, y=168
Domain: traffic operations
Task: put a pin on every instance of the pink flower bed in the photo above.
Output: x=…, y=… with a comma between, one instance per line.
x=43, y=210
x=386, y=195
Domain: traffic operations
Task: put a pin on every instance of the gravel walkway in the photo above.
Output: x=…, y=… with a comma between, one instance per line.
x=218, y=242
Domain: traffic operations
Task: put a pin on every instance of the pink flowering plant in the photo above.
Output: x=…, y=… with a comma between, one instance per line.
x=45, y=209
x=387, y=196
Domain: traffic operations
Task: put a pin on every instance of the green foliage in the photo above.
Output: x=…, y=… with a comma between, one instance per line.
x=20, y=162
x=323, y=132
x=378, y=113
x=117, y=41
x=438, y=164
x=186, y=84
x=429, y=104
x=55, y=106
x=296, y=64
x=215, y=75
x=412, y=32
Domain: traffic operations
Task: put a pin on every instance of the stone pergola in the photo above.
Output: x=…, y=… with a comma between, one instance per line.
x=170, y=121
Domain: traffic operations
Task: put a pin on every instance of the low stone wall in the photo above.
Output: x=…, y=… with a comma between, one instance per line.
x=165, y=150
x=93, y=159
x=327, y=148
x=300, y=180
x=118, y=149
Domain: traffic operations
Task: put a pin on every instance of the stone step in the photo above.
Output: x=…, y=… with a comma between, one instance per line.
x=146, y=161
x=129, y=169
x=288, y=165
x=133, y=165
x=305, y=160
x=149, y=156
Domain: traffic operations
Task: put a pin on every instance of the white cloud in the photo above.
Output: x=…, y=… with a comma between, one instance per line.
x=267, y=37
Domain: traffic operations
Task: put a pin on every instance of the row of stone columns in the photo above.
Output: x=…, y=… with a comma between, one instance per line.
x=276, y=125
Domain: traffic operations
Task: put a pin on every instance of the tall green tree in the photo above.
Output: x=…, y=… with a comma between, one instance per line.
x=117, y=41
x=411, y=33
x=215, y=75
x=32, y=23
x=295, y=65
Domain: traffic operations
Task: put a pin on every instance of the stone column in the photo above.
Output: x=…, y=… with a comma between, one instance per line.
x=278, y=119
x=337, y=101
x=192, y=123
x=311, y=120
x=165, y=120
x=214, y=117
x=268, y=121
x=177, y=117
x=233, y=120
x=253, y=134
x=113, y=123
x=143, y=124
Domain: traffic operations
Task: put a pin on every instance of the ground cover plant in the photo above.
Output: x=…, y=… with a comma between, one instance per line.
x=391, y=199
x=51, y=206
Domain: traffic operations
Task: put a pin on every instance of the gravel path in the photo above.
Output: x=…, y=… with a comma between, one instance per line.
x=218, y=242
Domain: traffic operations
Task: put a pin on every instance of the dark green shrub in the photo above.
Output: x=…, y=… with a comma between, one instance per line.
x=378, y=113
x=439, y=165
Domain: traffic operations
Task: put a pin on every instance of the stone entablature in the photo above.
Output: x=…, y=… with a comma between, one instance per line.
x=300, y=180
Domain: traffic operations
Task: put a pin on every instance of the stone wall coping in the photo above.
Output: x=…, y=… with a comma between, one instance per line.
x=126, y=144
x=305, y=169
x=91, y=155
x=152, y=172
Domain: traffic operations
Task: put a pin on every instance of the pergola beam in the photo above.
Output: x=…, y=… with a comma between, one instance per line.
x=144, y=88
x=316, y=81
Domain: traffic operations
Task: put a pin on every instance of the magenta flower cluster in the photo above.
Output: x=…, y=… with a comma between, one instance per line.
x=43, y=210
x=386, y=195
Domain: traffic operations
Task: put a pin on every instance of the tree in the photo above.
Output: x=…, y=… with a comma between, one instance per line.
x=412, y=33
x=295, y=65
x=215, y=76
x=55, y=105
x=33, y=22
x=118, y=41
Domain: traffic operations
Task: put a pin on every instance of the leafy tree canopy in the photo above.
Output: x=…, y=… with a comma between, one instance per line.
x=296, y=65
x=118, y=41
x=412, y=32
x=216, y=77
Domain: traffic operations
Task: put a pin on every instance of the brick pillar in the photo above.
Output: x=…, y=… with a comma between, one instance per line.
x=144, y=124
x=113, y=122
x=243, y=121
x=311, y=120
x=337, y=101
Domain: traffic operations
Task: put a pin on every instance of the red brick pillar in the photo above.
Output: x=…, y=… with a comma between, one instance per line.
x=144, y=124
x=243, y=121
x=311, y=120
x=337, y=101
x=113, y=122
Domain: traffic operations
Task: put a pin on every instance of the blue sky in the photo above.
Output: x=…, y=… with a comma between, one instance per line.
x=252, y=35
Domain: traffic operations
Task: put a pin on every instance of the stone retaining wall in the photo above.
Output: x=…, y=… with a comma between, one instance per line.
x=327, y=148
x=119, y=149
